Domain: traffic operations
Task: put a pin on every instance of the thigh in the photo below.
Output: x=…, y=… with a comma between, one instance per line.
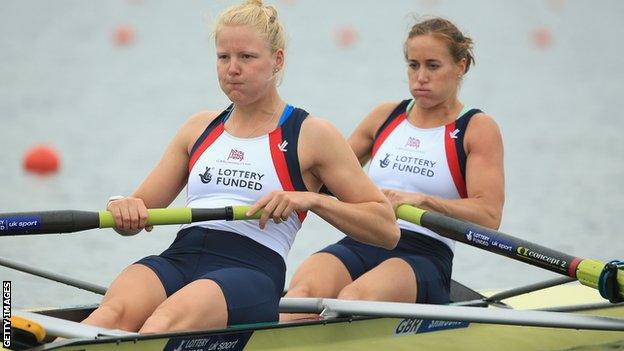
x=321, y=275
x=222, y=297
x=433, y=280
x=392, y=280
x=198, y=305
x=130, y=300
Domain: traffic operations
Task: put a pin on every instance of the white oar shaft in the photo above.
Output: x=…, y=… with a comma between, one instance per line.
x=68, y=329
x=451, y=313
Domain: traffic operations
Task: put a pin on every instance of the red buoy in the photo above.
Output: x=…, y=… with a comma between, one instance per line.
x=41, y=159
x=123, y=35
x=542, y=37
x=346, y=36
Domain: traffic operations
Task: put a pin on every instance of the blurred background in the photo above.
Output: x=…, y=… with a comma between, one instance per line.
x=106, y=84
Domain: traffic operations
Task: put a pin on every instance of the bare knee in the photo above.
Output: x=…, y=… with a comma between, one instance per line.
x=355, y=292
x=300, y=290
x=107, y=315
x=159, y=322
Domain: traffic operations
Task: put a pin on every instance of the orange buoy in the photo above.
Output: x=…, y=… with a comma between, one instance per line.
x=123, y=35
x=346, y=36
x=41, y=159
x=541, y=37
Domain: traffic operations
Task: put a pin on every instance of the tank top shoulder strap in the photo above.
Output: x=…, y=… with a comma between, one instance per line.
x=398, y=115
x=455, y=152
x=210, y=134
x=219, y=120
x=284, y=143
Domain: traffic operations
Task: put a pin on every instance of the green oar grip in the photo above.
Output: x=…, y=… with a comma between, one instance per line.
x=588, y=273
x=410, y=213
x=240, y=213
x=157, y=216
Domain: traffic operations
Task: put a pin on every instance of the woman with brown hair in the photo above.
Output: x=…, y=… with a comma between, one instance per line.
x=429, y=151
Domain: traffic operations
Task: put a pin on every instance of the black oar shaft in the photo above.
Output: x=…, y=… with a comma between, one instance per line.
x=69, y=221
x=44, y=222
x=500, y=243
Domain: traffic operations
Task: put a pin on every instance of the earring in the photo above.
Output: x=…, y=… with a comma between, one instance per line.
x=275, y=70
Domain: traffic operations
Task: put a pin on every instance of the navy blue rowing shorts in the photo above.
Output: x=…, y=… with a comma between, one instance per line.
x=430, y=259
x=250, y=275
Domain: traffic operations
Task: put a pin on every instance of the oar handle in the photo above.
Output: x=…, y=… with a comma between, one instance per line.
x=156, y=216
x=185, y=215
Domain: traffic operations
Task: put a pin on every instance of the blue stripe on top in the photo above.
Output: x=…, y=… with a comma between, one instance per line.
x=290, y=123
x=285, y=114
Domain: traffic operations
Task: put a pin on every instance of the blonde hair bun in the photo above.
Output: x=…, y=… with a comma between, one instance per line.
x=254, y=14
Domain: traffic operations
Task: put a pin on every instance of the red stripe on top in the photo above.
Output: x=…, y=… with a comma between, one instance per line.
x=212, y=136
x=453, y=162
x=279, y=161
x=384, y=133
x=572, y=267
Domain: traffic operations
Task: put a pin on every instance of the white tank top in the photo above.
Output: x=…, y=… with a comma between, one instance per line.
x=236, y=171
x=412, y=159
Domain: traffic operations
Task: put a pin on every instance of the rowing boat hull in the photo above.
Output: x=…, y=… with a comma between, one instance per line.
x=366, y=334
x=361, y=334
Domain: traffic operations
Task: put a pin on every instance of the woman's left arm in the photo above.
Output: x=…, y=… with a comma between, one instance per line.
x=485, y=179
x=359, y=210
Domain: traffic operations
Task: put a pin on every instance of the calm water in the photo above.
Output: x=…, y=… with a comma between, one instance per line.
x=110, y=111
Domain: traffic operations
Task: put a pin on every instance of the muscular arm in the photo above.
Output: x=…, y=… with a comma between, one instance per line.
x=485, y=180
x=163, y=183
x=360, y=210
x=167, y=179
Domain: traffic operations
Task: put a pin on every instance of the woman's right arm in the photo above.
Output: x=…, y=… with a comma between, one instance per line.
x=363, y=137
x=163, y=184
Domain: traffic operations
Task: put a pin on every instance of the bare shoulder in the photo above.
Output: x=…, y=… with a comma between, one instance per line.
x=200, y=118
x=194, y=126
x=317, y=137
x=313, y=122
x=483, y=130
x=380, y=113
x=385, y=108
x=315, y=129
x=482, y=123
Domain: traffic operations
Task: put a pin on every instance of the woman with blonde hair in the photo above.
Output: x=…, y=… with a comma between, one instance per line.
x=259, y=151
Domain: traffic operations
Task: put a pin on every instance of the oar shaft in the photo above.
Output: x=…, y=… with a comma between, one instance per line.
x=449, y=313
x=53, y=276
x=44, y=222
x=69, y=221
x=500, y=243
x=585, y=270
